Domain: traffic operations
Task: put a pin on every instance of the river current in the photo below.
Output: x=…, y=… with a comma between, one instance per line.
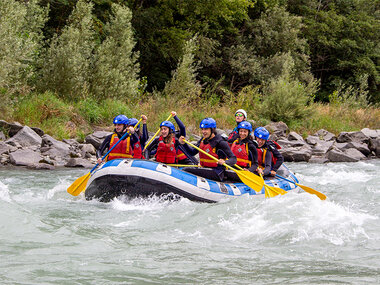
x=50, y=237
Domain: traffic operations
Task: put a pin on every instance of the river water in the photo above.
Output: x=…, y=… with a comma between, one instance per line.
x=50, y=237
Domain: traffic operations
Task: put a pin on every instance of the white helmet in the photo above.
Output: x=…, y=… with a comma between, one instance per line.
x=242, y=111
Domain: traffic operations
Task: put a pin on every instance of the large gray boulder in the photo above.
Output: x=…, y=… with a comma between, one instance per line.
x=25, y=157
x=297, y=154
x=11, y=128
x=54, y=148
x=349, y=155
x=293, y=136
x=352, y=137
x=362, y=147
x=322, y=147
x=371, y=133
x=279, y=129
x=87, y=150
x=284, y=143
x=6, y=148
x=325, y=135
x=96, y=138
x=374, y=145
x=26, y=137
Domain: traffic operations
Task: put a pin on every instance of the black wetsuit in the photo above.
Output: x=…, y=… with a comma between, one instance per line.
x=144, y=136
x=223, y=151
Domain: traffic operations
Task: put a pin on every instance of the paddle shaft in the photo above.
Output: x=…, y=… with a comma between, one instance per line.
x=306, y=189
x=209, y=155
x=156, y=134
x=286, y=179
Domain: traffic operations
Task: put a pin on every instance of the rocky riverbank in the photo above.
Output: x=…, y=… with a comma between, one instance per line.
x=31, y=147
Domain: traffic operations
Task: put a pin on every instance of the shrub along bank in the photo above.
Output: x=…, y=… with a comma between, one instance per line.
x=62, y=119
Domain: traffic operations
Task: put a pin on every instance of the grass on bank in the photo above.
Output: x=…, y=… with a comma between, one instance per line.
x=61, y=119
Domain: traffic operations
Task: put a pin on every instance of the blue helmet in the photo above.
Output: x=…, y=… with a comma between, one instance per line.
x=133, y=122
x=207, y=123
x=169, y=125
x=121, y=119
x=245, y=125
x=261, y=133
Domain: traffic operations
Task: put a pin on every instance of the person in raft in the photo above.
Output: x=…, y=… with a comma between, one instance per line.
x=215, y=145
x=240, y=116
x=124, y=148
x=142, y=135
x=244, y=148
x=166, y=147
x=268, y=156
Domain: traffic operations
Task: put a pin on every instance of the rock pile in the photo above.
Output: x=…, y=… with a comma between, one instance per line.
x=33, y=148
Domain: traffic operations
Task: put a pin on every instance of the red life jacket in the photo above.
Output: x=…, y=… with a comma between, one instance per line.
x=241, y=153
x=122, y=150
x=204, y=159
x=137, y=151
x=166, y=153
x=261, y=153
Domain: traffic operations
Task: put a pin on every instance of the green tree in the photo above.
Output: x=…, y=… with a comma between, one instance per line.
x=116, y=66
x=67, y=67
x=20, y=42
x=162, y=27
x=344, y=42
x=285, y=98
x=265, y=47
x=184, y=84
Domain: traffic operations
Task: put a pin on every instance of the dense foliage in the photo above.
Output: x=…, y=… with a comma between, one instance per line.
x=274, y=56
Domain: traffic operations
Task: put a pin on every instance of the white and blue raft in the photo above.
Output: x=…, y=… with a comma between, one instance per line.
x=143, y=178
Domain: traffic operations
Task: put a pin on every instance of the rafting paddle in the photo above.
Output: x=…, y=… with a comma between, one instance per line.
x=159, y=129
x=270, y=191
x=248, y=178
x=80, y=184
x=306, y=188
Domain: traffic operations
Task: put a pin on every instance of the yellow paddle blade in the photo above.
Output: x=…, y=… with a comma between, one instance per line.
x=274, y=191
x=312, y=191
x=269, y=193
x=79, y=185
x=251, y=180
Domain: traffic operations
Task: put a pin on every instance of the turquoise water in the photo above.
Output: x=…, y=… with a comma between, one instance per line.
x=50, y=237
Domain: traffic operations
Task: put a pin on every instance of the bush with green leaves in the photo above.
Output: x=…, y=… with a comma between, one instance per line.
x=68, y=64
x=349, y=96
x=184, y=84
x=286, y=98
x=21, y=26
x=116, y=66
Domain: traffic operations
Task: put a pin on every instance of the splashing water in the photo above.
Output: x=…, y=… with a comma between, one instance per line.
x=50, y=237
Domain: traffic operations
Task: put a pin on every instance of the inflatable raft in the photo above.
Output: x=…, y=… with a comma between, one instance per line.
x=144, y=178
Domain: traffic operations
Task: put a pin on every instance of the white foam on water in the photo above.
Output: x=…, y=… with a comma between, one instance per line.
x=61, y=187
x=295, y=218
x=335, y=176
x=153, y=203
x=4, y=192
